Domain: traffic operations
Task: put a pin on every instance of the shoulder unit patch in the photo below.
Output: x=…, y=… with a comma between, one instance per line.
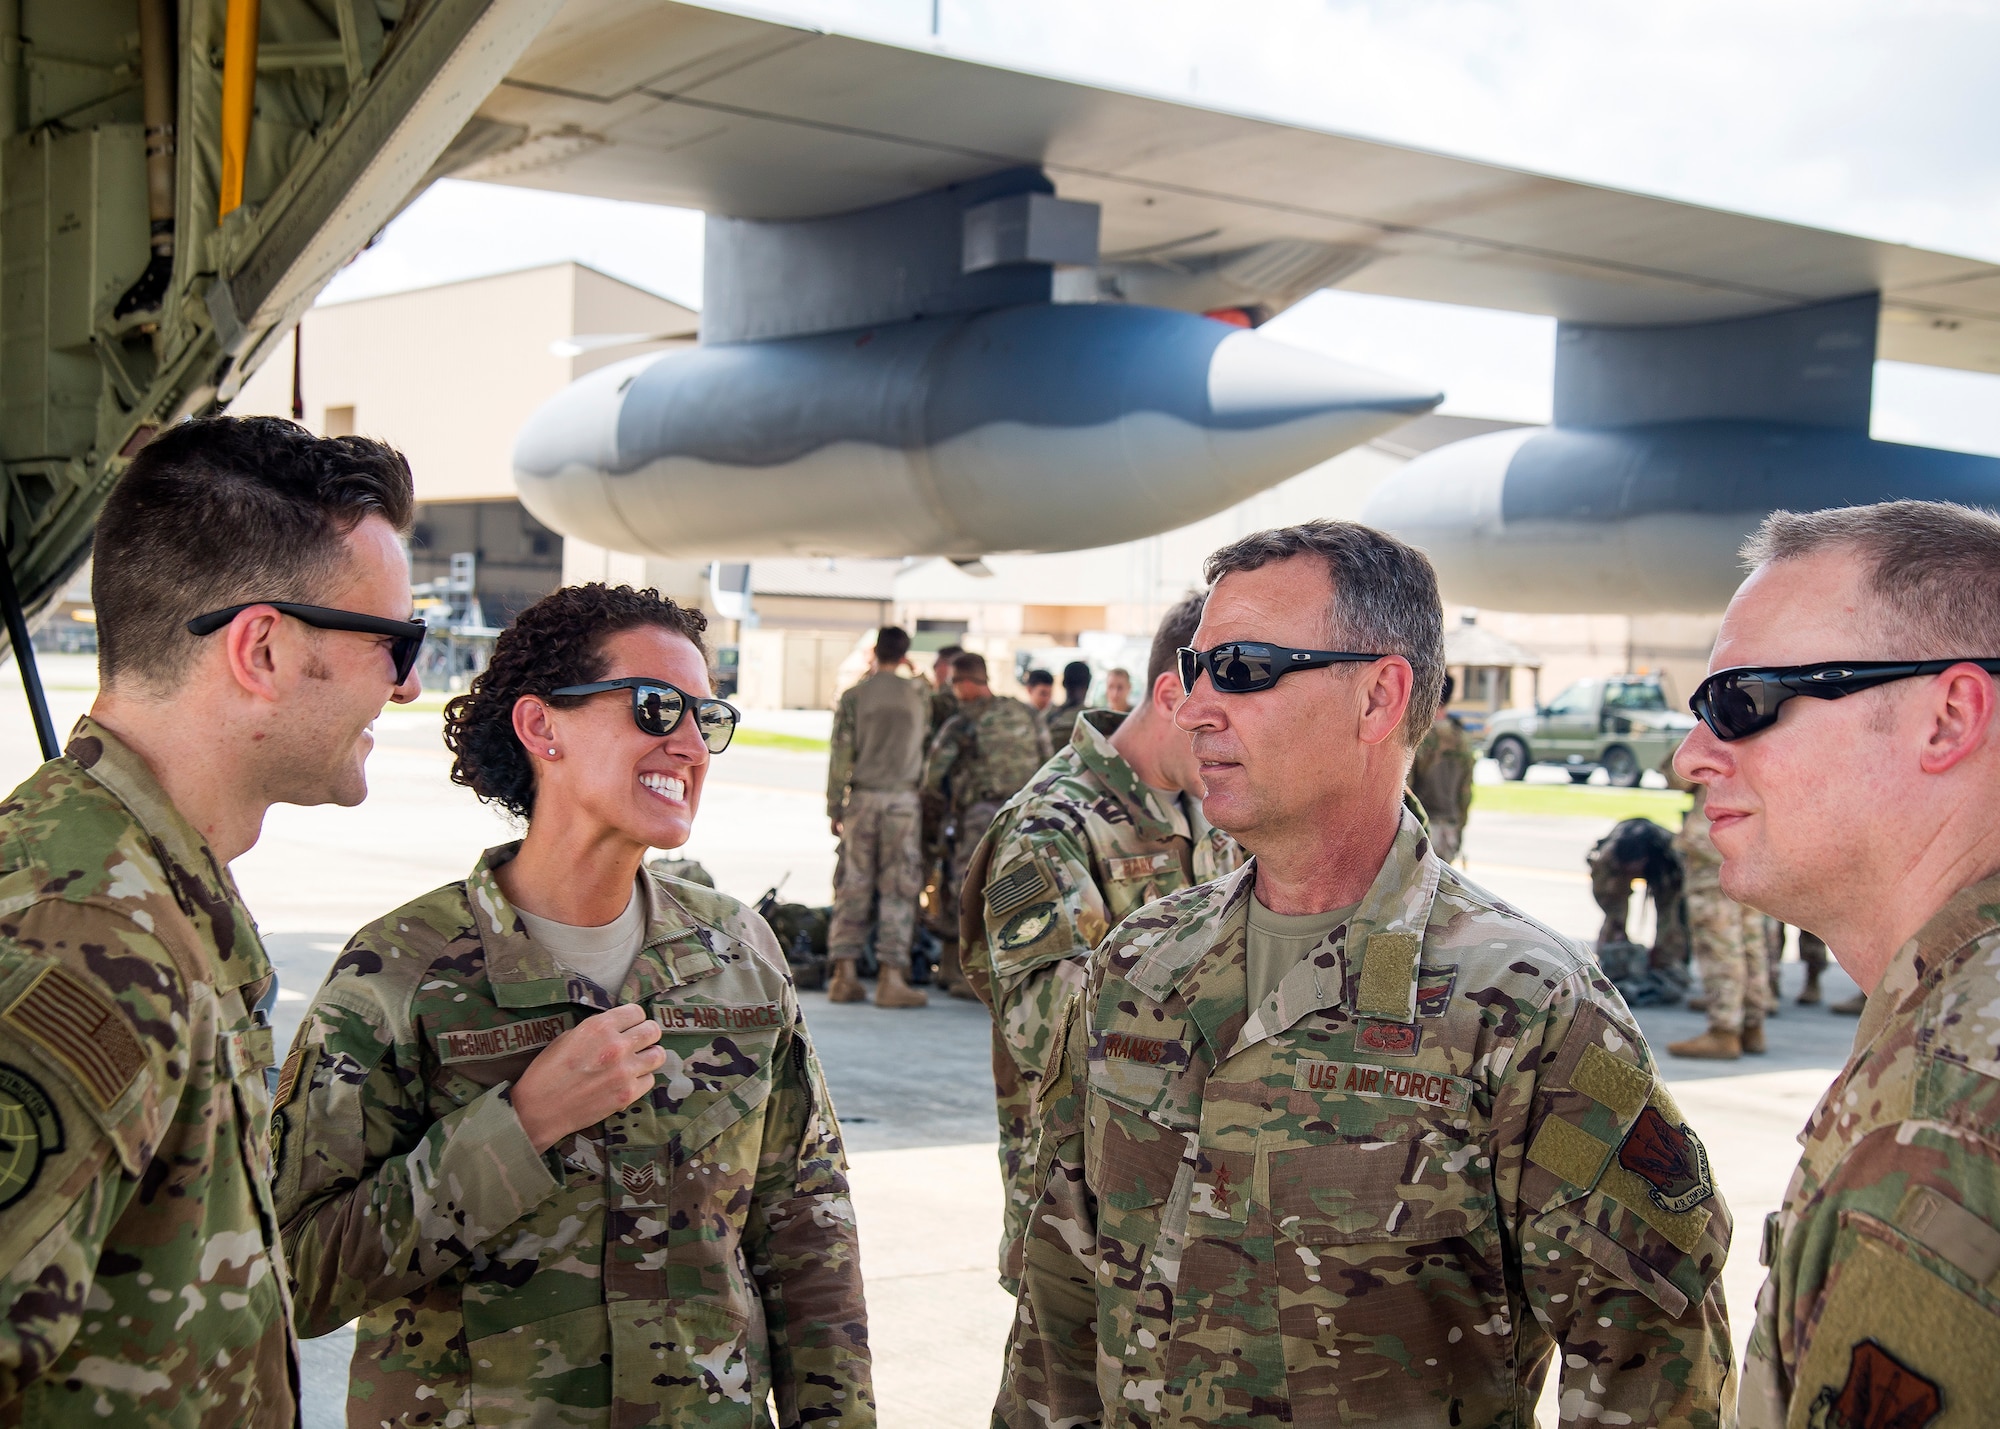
x=30, y=1133
x=1880, y=1392
x=1669, y=1159
x=1026, y=926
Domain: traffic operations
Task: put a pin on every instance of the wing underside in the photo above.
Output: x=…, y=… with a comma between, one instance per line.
x=677, y=104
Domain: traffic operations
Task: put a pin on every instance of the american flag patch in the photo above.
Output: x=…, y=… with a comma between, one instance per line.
x=83, y=1029
x=1016, y=889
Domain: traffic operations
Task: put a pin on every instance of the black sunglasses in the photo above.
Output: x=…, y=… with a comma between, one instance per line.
x=1736, y=704
x=658, y=708
x=1242, y=667
x=406, y=637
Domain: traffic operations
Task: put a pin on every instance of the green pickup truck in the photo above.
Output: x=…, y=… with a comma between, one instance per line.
x=1622, y=724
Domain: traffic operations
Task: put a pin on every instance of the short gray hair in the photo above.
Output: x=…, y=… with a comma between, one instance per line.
x=1933, y=565
x=1176, y=629
x=1385, y=598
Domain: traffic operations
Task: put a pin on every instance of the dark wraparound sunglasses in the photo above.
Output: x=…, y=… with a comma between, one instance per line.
x=1737, y=703
x=658, y=708
x=406, y=637
x=1242, y=667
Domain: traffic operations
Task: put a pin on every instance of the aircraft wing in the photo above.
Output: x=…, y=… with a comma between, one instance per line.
x=738, y=115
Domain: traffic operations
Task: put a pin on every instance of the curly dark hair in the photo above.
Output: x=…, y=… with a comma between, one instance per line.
x=557, y=641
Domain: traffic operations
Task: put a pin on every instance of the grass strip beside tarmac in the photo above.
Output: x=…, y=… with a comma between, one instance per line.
x=772, y=739
x=1582, y=801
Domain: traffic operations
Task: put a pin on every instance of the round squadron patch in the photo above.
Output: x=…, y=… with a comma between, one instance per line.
x=30, y=1133
x=1026, y=926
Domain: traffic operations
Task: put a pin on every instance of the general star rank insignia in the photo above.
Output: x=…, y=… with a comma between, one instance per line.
x=1669, y=1159
x=1880, y=1392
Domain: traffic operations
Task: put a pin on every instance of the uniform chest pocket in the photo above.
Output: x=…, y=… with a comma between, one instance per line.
x=1136, y=1159
x=1430, y=1187
x=717, y=1069
x=1154, y=1070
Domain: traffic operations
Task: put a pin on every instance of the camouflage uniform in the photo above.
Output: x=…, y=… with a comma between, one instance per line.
x=1060, y=721
x=875, y=758
x=1068, y=857
x=1441, y=778
x=1881, y=1306
x=140, y=1273
x=675, y=1263
x=878, y=878
x=1728, y=938
x=944, y=704
x=980, y=759
x=1435, y=1156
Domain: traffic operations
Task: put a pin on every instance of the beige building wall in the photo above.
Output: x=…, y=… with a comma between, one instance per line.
x=448, y=374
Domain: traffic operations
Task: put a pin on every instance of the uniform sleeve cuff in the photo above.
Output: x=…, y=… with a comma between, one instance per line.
x=489, y=1170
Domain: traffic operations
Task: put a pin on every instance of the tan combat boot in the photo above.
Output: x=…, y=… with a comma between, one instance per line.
x=1753, y=1039
x=950, y=974
x=1809, y=994
x=892, y=991
x=1852, y=1007
x=1714, y=1045
x=846, y=985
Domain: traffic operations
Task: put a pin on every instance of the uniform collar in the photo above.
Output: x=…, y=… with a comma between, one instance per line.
x=525, y=974
x=1208, y=968
x=201, y=884
x=1153, y=816
x=1939, y=948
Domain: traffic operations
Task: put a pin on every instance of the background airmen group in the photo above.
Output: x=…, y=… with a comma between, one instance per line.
x=1298, y=1123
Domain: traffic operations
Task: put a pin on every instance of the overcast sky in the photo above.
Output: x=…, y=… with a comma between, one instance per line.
x=1869, y=116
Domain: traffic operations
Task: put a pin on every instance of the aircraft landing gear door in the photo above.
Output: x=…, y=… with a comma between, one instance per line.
x=1568, y=726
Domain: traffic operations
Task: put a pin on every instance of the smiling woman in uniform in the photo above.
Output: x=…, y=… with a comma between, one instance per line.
x=555, y=1133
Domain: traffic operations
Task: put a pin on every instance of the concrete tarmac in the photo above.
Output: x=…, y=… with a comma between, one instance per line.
x=914, y=1088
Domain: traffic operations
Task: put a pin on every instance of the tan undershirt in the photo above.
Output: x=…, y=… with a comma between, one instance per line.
x=1278, y=941
x=603, y=954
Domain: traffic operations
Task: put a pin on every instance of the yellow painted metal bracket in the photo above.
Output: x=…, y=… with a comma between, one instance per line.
x=239, y=98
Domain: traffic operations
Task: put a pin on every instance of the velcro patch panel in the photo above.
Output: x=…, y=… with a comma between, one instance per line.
x=1388, y=983
x=1611, y=1082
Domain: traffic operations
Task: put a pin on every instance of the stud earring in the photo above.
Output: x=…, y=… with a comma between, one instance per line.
x=552, y=753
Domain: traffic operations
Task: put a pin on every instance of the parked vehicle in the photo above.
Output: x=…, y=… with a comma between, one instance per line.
x=1623, y=725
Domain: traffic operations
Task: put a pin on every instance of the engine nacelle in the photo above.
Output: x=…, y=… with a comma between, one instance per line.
x=1644, y=519
x=1042, y=427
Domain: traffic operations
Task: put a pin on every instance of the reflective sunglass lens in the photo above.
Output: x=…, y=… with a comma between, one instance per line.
x=1240, y=669
x=657, y=711
x=718, y=726
x=404, y=650
x=1190, y=670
